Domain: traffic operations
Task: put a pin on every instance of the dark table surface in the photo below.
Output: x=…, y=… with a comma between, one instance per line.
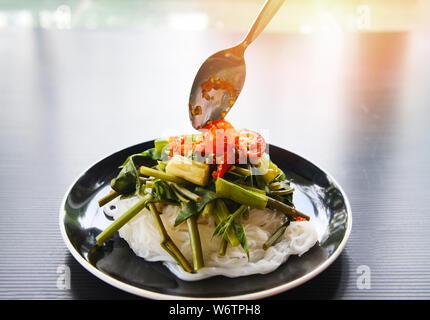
x=356, y=104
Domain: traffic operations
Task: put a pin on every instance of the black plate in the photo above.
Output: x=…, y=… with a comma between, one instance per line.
x=317, y=194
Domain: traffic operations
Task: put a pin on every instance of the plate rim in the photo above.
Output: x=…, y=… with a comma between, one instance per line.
x=161, y=296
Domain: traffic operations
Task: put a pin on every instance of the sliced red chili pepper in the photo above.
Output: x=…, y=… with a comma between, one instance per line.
x=222, y=169
x=300, y=219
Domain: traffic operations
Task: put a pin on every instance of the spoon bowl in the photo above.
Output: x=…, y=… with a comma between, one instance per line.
x=217, y=85
x=220, y=79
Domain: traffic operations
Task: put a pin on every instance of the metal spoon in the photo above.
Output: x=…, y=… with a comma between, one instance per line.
x=220, y=79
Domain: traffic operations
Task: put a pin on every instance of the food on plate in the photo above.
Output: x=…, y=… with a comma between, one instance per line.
x=207, y=204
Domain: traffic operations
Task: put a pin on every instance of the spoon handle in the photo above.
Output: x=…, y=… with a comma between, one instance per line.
x=266, y=14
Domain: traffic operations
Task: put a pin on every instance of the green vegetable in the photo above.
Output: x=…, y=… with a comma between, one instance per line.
x=184, y=191
x=181, y=198
x=280, y=188
x=261, y=183
x=207, y=210
x=266, y=170
x=253, y=189
x=241, y=235
x=167, y=243
x=290, y=212
x=162, y=191
x=159, y=145
x=190, y=170
x=153, y=154
x=223, y=227
x=220, y=214
x=188, y=210
x=229, y=190
x=161, y=175
x=123, y=219
x=272, y=172
x=280, y=177
x=193, y=208
x=108, y=198
x=276, y=235
x=161, y=165
x=286, y=199
x=207, y=197
x=149, y=183
x=223, y=247
x=146, y=158
x=242, y=171
x=275, y=186
x=127, y=181
x=282, y=192
x=196, y=246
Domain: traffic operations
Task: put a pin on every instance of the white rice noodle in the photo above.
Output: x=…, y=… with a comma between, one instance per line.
x=142, y=235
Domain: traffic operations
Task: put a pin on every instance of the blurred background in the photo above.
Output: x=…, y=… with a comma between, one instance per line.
x=343, y=83
x=303, y=16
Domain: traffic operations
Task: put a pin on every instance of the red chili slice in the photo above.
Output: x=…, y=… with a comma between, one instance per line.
x=221, y=170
